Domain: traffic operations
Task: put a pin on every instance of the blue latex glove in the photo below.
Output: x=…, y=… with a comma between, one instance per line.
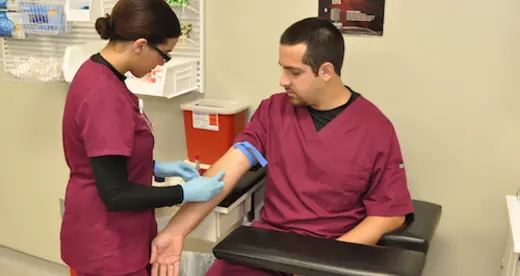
x=181, y=169
x=203, y=188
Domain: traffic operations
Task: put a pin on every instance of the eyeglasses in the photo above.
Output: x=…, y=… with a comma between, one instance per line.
x=165, y=56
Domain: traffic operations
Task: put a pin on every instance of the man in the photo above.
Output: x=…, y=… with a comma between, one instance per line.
x=335, y=168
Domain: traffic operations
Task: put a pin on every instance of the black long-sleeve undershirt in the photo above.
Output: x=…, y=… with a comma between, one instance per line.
x=118, y=194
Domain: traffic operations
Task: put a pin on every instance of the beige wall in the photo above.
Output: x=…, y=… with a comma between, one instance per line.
x=445, y=72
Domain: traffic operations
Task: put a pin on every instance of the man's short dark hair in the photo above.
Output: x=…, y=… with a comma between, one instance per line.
x=324, y=42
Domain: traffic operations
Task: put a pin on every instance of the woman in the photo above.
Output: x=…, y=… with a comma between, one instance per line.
x=109, y=219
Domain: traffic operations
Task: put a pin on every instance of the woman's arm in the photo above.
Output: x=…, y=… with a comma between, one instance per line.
x=120, y=195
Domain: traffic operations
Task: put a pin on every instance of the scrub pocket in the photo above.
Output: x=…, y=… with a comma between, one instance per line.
x=343, y=184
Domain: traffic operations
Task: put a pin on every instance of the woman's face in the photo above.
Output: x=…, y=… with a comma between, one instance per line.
x=149, y=56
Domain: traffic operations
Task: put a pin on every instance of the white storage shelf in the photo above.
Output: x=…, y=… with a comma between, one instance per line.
x=76, y=55
x=183, y=74
x=177, y=77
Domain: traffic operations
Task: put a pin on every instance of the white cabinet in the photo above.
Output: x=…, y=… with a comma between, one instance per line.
x=177, y=77
x=511, y=262
x=221, y=220
x=84, y=10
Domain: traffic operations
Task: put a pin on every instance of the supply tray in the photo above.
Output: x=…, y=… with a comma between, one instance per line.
x=178, y=76
x=35, y=17
x=85, y=10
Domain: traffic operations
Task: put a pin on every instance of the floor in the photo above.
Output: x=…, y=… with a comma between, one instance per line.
x=14, y=263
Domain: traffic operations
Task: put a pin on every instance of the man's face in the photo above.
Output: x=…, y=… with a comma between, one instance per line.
x=298, y=79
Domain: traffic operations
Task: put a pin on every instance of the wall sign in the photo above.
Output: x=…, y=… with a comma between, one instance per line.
x=361, y=17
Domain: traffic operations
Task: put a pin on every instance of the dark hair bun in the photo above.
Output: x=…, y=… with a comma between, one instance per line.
x=103, y=27
x=130, y=20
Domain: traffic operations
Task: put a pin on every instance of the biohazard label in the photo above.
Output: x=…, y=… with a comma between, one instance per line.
x=207, y=121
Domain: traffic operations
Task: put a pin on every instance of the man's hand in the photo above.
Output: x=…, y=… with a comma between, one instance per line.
x=371, y=229
x=167, y=246
x=166, y=254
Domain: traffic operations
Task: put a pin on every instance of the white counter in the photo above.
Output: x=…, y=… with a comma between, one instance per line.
x=220, y=221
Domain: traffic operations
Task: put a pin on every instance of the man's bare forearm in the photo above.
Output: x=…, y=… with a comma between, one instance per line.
x=371, y=229
x=235, y=164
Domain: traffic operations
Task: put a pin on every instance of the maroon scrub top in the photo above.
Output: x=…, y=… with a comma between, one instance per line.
x=102, y=117
x=324, y=183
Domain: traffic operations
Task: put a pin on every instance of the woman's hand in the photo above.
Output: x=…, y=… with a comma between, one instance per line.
x=203, y=188
x=182, y=169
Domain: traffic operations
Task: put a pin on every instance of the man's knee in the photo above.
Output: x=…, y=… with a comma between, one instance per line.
x=217, y=268
x=143, y=272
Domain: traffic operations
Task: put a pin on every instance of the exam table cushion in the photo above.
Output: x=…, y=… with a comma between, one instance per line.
x=309, y=256
x=250, y=179
x=419, y=233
